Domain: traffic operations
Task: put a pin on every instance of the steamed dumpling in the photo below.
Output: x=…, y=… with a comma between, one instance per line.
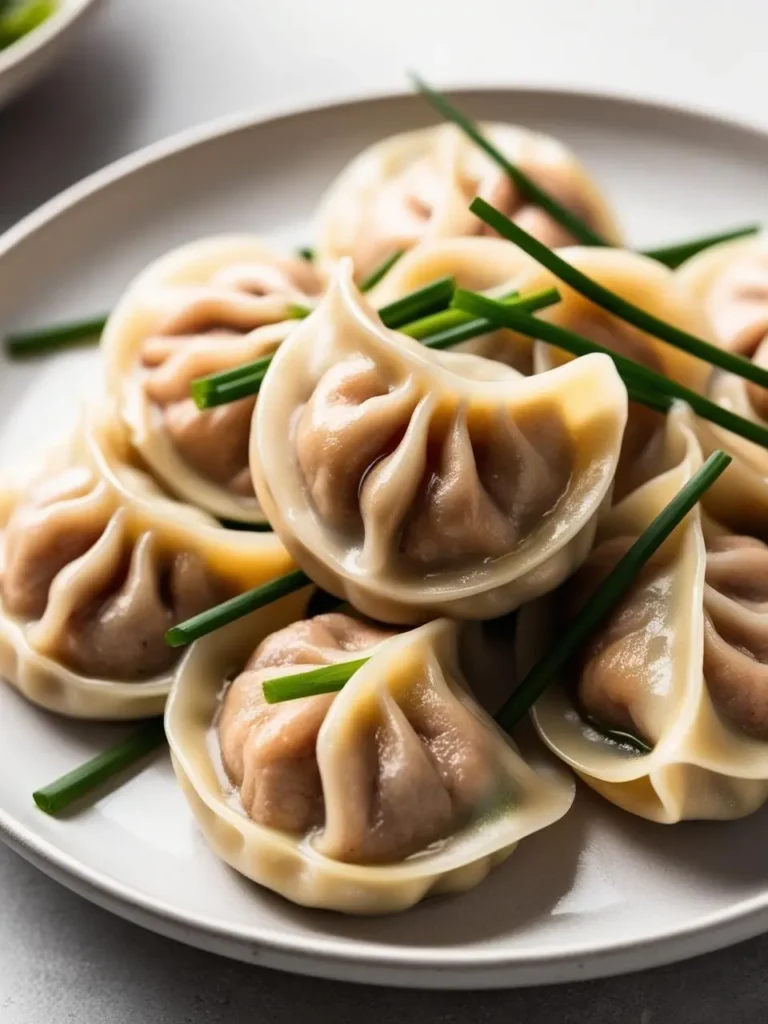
x=209, y=306
x=268, y=750
x=480, y=264
x=363, y=801
x=413, y=483
x=96, y=564
x=419, y=185
x=652, y=287
x=730, y=282
x=665, y=710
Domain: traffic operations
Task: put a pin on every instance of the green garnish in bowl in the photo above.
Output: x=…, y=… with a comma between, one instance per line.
x=20, y=17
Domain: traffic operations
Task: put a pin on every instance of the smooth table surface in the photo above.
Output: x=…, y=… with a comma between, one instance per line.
x=146, y=68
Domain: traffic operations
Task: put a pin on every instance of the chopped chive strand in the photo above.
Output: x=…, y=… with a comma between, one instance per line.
x=613, y=303
x=242, y=381
x=580, y=231
x=673, y=255
x=30, y=343
x=473, y=327
x=57, y=796
x=613, y=588
x=659, y=403
x=624, y=739
x=429, y=299
x=237, y=524
x=445, y=320
x=380, y=272
x=222, y=614
x=326, y=679
x=295, y=311
x=638, y=378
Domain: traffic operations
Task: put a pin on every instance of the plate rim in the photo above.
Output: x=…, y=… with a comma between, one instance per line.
x=325, y=955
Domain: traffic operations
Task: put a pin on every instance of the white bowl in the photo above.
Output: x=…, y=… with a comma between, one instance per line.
x=23, y=62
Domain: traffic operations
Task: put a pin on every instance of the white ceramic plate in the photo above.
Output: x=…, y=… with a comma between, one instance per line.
x=598, y=893
x=25, y=61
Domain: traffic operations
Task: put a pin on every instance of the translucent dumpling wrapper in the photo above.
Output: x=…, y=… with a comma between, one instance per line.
x=96, y=563
x=419, y=185
x=480, y=264
x=415, y=483
x=665, y=710
x=206, y=307
x=365, y=801
x=730, y=282
x=654, y=288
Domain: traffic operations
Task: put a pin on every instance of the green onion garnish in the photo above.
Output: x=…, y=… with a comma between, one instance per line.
x=673, y=255
x=419, y=303
x=624, y=739
x=238, y=524
x=306, y=254
x=611, y=302
x=472, y=327
x=222, y=614
x=58, y=795
x=610, y=592
x=22, y=18
x=326, y=679
x=639, y=379
x=81, y=332
x=231, y=385
x=31, y=343
x=581, y=231
x=380, y=272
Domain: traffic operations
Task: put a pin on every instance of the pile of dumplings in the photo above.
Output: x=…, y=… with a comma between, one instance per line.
x=459, y=506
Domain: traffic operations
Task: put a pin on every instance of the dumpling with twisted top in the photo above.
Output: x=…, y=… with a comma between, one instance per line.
x=652, y=287
x=730, y=282
x=665, y=709
x=96, y=564
x=418, y=186
x=206, y=307
x=415, y=483
x=365, y=800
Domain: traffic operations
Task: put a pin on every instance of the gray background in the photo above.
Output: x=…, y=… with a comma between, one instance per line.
x=144, y=68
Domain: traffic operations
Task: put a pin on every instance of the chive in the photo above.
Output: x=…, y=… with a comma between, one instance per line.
x=222, y=614
x=429, y=299
x=58, y=795
x=659, y=403
x=306, y=254
x=237, y=524
x=326, y=679
x=242, y=381
x=673, y=255
x=295, y=311
x=611, y=590
x=639, y=379
x=321, y=602
x=30, y=343
x=611, y=302
x=473, y=328
x=380, y=272
x=575, y=225
x=229, y=385
x=79, y=332
x=624, y=739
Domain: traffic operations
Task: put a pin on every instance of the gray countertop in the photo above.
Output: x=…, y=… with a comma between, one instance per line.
x=144, y=68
